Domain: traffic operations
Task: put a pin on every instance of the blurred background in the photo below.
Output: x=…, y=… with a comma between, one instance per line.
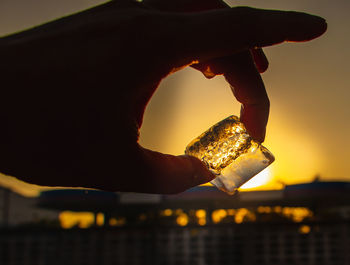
x=308, y=183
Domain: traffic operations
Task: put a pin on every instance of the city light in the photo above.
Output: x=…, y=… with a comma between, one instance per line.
x=304, y=229
x=117, y=221
x=218, y=215
x=100, y=219
x=201, y=216
x=297, y=214
x=70, y=219
x=182, y=219
x=167, y=212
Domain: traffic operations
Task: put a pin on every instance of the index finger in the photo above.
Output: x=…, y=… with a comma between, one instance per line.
x=224, y=32
x=249, y=89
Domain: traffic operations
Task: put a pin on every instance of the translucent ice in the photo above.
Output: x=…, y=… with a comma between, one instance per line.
x=230, y=153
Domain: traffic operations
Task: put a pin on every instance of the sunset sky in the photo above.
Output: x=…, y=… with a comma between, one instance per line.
x=308, y=85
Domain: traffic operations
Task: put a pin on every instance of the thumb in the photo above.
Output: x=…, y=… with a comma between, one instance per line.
x=173, y=174
x=224, y=32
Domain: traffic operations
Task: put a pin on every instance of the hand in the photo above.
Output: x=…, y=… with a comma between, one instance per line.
x=74, y=90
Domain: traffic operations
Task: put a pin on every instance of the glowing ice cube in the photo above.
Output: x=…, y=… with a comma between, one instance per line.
x=230, y=153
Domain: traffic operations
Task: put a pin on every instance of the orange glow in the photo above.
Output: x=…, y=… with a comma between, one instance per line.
x=304, y=153
x=182, y=219
x=297, y=214
x=113, y=222
x=218, y=215
x=82, y=220
x=202, y=221
x=240, y=215
x=264, y=209
x=277, y=209
x=178, y=211
x=304, y=229
x=201, y=213
x=244, y=214
x=231, y=212
x=117, y=221
x=201, y=216
x=100, y=219
x=167, y=212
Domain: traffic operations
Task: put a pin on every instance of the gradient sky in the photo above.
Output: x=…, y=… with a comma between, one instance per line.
x=308, y=85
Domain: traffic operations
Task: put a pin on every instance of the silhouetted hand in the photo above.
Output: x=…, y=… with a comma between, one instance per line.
x=73, y=91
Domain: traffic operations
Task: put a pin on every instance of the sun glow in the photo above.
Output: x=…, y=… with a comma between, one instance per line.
x=260, y=179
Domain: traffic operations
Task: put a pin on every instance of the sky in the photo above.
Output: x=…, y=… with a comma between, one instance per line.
x=308, y=85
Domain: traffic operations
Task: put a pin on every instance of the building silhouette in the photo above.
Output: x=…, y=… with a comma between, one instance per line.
x=16, y=209
x=302, y=224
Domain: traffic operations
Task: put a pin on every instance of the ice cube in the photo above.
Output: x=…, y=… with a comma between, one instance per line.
x=230, y=153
